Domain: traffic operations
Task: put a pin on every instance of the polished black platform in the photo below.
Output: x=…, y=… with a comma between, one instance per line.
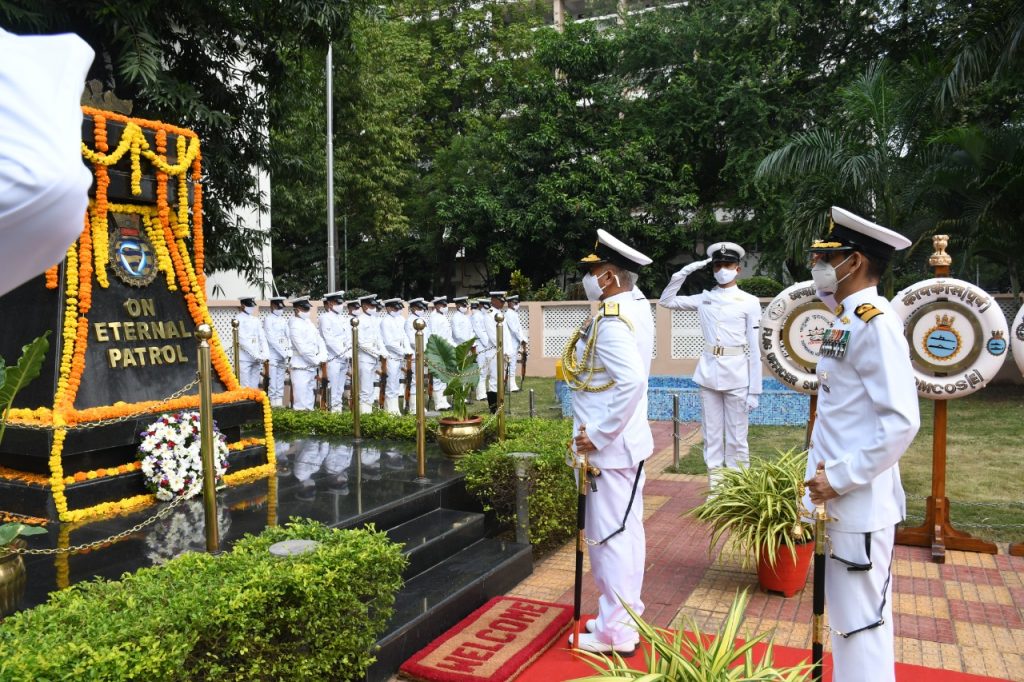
x=456, y=562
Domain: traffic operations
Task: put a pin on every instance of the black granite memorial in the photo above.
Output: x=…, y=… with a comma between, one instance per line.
x=122, y=311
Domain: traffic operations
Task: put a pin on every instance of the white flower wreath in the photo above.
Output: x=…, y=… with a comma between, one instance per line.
x=170, y=454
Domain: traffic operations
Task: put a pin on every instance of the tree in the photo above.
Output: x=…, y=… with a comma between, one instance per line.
x=206, y=66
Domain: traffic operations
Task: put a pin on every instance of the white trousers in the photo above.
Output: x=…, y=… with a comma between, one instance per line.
x=367, y=375
x=853, y=600
x=303, y=385
x=492, y=369
x=251, y=371
x=618, y=564
x=481, y=385
x=723, y=420
x=396, y=371
x=275, y=388
x=337, y=372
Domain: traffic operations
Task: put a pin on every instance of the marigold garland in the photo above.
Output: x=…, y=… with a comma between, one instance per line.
x=80, y=476
x=52, y=276
x=100, y=227
x=240, y=445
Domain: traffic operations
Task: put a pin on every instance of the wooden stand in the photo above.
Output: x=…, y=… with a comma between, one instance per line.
x=937, y=531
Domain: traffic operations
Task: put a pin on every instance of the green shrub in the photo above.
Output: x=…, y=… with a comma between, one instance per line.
x=764, y=287
x=242, y=615
x=491, y=476
x=376, y=425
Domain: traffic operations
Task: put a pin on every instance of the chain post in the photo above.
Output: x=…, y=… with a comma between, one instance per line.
x=499, y=319
x=675, y=431
x=533, y=405
x=355, y=379
x=421, y=418
x=205, y=333
x=234, y=350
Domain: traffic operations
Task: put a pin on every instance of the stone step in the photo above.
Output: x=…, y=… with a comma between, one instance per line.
x=431, y=538
x=441, y=596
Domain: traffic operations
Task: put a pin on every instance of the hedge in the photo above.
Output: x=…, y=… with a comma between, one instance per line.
x=763, y=287
x=241, y=615
x=491, y=476
x=377, y=425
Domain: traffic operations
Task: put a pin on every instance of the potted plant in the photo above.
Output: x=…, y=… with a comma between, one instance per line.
x=694, y=656
x=12, y=565
x=456, y=367
x=758, y=507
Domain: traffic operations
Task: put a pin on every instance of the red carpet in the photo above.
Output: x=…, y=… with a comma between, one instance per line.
x=559, y=664
x=492, y=644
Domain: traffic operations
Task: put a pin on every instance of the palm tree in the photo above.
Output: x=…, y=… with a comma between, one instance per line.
x=988, y=49
x=858, y=159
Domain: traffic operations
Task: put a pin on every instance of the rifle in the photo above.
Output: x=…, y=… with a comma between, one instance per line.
x=324, y=392
x=525, y=354
x=383, y=380
x=265, y=382
x=408, y=380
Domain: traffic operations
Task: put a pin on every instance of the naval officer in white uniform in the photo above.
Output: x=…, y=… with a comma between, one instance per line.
x=478, y=319
x=275, y=327
x=439, y=326
x=867, y=417
x=729, y=369
x=370, y=352
x=507, y=348
x=337, y=335
x=308, y=353
x=392, y=333
x=607, y=365
x=252, y=344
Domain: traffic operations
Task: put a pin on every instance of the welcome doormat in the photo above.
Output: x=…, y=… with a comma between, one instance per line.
x=493, y=644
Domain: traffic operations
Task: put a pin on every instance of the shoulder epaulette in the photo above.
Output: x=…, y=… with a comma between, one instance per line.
x=867, y=312
x=611, y=309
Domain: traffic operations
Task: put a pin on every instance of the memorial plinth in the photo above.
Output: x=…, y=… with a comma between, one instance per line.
x=121, y=309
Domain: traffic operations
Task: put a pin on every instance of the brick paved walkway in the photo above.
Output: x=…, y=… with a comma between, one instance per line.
x=965, y=615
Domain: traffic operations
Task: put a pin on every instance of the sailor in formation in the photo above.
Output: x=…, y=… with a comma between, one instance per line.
x=607, y=365
x=371, y=350
x=392, y=332
x=440, y=327
x=515, y=328
x=462, y=324
x=252, y=344
x=477, y=319
x=867, y=416
x=417, y=311
x=508, y=348
x=279, y=344
x=337, y=337
x=729, y=370
x=308, y=353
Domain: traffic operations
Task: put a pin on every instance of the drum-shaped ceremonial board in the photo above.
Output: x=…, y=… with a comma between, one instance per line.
x=1017, y=339
x=957, y=335
x=792, y=327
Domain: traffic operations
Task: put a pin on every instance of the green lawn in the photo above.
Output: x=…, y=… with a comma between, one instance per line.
x=984, y=457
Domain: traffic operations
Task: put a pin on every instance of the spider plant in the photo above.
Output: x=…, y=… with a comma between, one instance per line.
x=758, y=507
x=697, y=657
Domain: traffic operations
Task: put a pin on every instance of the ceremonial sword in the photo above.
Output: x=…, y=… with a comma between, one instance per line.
x=581, y=463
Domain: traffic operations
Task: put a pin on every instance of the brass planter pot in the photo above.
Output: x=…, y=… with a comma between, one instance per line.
x=458, y=438
x=12, y=579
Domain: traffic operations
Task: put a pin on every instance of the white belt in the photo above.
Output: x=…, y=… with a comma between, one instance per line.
x=724, y=350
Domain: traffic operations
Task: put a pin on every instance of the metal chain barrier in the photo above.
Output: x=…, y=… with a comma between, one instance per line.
x=113, y=420
x=113, y=538
x=960, y=503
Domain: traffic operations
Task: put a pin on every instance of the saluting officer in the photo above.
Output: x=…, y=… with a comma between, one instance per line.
x=252, y=344
x=508, y=349
x=308, y=352
x=275, y=327
x=477, y=318
x=337, y=334
x=867, y=418
x=439, y=326
x=607, y=364
x=729, y=370
x=515, y=328
x=462, y=325
x=392, y=332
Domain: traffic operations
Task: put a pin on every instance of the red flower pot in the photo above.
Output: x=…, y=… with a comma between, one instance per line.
x=788, y=576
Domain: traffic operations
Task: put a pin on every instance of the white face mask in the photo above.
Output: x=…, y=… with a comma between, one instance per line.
x=825, y=278
x=250, y=309
x=277, y=311
x=462, y=309
x=594, y=290
x=303, y=314
x=395, y=313
x=725, y=275
x=357, y=312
